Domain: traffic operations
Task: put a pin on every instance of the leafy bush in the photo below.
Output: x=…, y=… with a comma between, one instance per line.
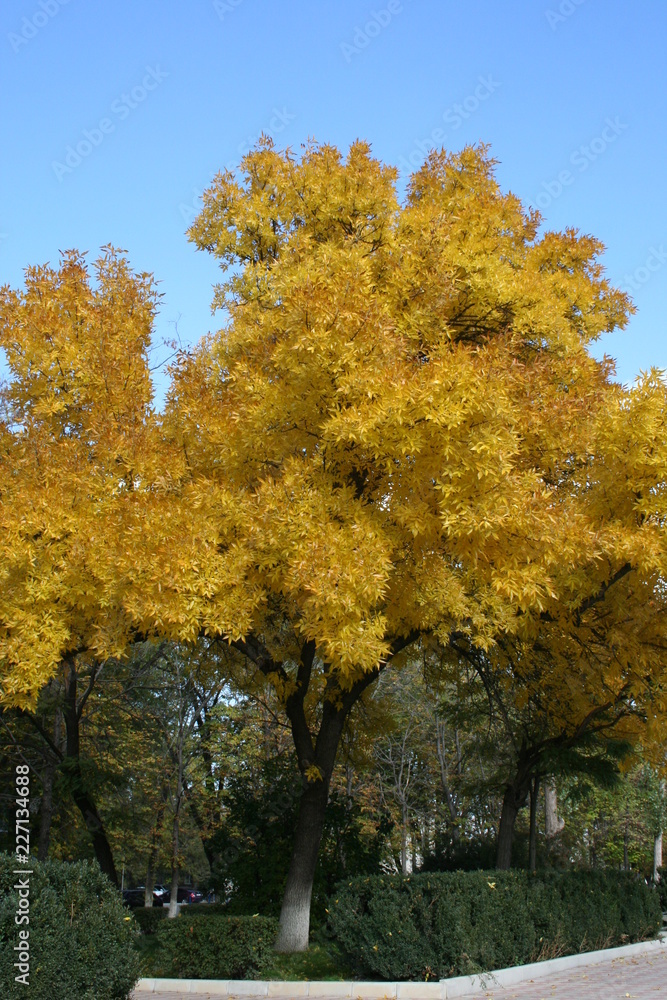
x=149, y=917
x=81, y=936
x=217, y=948
x=440, y=925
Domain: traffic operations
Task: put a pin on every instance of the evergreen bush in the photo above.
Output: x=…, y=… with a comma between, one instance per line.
x=80, y=934
x=217, y=948
x=432, y=926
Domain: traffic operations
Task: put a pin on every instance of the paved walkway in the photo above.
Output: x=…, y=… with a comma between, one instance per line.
x=641, y=978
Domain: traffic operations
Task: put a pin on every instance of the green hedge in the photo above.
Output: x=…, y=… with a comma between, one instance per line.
x=457, y=923
x=80, y=934
x=217, y=948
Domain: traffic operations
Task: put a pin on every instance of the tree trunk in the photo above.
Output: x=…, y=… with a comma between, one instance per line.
x=552, y=824
x=173, y=897
x=532, y=843
x=506, y=831
x=153, y=853
x=46, y=808
x=294, y=925
x=204, y=829
x=404, y=838
x=316, y=763
x=295, y=911
x=71, y=766
x=657, y=857
x=441, y=751
x=513, y=800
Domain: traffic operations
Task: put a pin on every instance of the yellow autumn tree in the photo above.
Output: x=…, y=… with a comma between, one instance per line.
x=594, y=662
x=392, y=436
x=76, y=435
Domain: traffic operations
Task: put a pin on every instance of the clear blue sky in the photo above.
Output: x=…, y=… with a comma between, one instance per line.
x=562, y=87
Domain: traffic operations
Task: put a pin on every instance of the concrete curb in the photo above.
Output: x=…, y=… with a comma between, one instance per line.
x=445, y=989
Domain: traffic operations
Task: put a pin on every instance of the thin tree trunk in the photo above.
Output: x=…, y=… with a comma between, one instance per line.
x=657, y=857
x=626, y=862
x=532, y=843
x=552, y=823
x=153, y=853
x=46, y=808
x=444, y=777
x=173, y=897
x=404, y=838
x=72, y=767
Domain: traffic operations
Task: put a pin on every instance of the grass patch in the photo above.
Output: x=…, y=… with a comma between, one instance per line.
x=151, y=956
x=320, y=962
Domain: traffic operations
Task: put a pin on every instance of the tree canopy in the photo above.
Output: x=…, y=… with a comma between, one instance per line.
x=398, y=435
x=75, y=435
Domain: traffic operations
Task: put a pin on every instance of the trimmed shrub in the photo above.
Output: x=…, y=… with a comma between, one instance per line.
x=434, y=926
x=81, y=942
x=217, y=948
x=149, y=917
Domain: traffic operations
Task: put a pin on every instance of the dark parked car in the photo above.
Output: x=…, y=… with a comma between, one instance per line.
x=137, y=897
x=134, y=897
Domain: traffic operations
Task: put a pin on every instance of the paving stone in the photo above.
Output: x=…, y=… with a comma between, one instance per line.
x=641, y=978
